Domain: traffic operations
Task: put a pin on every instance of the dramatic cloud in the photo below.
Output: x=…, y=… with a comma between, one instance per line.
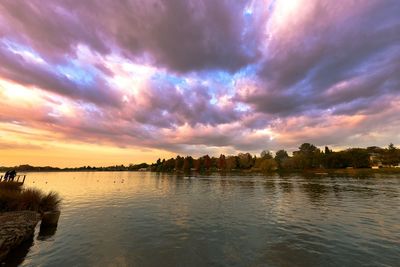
x=200, y=76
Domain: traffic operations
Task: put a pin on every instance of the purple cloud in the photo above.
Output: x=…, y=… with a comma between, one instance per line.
x=204, y=75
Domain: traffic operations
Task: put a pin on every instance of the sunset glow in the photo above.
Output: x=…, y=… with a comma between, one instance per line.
x=105, y=83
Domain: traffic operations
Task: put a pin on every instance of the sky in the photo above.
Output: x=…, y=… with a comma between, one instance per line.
x=118, y=82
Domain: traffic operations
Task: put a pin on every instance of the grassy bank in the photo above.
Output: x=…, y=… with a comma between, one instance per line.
x=16, y=198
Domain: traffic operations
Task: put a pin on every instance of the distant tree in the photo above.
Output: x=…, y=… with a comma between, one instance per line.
x=308, y=156
x=168, y=165
x=327, y=150
x=207, y=162
x=179, y=163
x=391, y=156
x=245, y=160
x=187, y=163
x=358, y=157
x=307, y=148
x=198, y=164
x=214, y=163
x=265, y=154
x=391, y=147
x=280, y=157
x=374, y=149
x=289, y=164
x=268, y=165
x=136, y=167
x=336, y=160
x=231, y=162
x=265, y=164
x=222, y=162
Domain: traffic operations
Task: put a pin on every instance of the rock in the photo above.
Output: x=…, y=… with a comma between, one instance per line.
x=50, y=218
x=16, y=227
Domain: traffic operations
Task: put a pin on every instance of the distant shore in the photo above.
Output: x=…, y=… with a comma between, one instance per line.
x=306, y=171
x=309, y=158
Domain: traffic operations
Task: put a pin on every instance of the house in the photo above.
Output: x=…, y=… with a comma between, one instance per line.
x=375, y=160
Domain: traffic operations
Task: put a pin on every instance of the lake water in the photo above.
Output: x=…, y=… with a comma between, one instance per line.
x=150, y=219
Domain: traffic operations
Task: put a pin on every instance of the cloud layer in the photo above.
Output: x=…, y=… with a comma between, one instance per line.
x=201, y=76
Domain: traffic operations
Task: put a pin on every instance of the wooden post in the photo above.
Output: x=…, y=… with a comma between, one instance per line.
x=23, y=181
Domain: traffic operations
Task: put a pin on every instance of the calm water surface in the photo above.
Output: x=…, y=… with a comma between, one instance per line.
x=149, y=219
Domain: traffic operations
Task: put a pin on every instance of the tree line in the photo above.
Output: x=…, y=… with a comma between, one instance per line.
x=308, y=156
x=29, y=168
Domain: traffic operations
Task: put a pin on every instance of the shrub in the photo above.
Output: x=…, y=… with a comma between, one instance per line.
x=50, y=202
x=14, y=199
x=30, y=199
x=7, y=198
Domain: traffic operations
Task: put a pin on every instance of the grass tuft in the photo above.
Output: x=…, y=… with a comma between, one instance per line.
x=50, y=202
x=14, y=198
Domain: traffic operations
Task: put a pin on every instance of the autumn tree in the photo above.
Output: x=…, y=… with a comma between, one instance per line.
x=245, y=161
x=280, y=157
x=265, y=154
x=179, y=163
x=222, y=162
x=207, y=162
x=187, y=163
x=265, y=164
x=231, y=162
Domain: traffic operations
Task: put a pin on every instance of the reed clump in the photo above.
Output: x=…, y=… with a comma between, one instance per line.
x=16, y=198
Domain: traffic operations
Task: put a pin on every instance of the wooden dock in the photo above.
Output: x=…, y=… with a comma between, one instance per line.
x=20, y=179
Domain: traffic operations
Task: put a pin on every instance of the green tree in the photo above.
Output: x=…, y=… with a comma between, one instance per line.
x=265, y=154
x=280, y=157
x=307, y=157
x=358, y=157
x=391, y=156
x=336, y=160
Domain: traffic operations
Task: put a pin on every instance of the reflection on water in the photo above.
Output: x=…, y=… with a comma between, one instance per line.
x=46, y=232
x=315, y=191
x=150, y=219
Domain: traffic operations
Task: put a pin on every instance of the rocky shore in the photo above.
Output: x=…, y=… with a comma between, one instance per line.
x=16, y=227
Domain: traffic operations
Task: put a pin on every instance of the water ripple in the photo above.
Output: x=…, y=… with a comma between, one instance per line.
x=148, y=219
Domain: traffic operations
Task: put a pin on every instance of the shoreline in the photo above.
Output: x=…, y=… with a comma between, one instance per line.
x=305, y=171
x=313, y=172
x=15, y=228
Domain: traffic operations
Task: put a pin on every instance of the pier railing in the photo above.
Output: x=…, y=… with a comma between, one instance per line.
x=18, y=178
